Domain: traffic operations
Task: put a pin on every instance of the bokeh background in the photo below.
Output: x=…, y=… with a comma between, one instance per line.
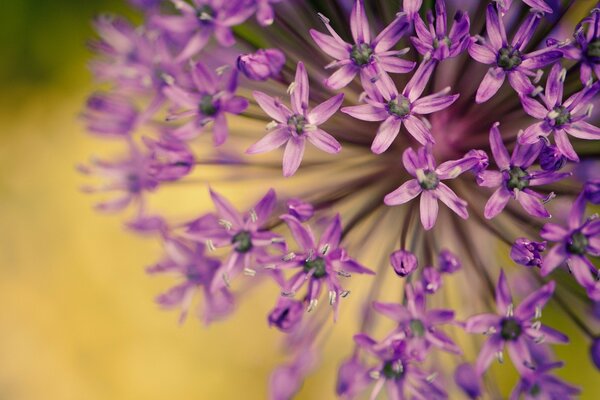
x=77, y=317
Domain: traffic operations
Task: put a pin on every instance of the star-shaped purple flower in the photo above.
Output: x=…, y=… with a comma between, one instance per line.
x=428, y=184
x=212, y=97
x=581, y=237
x=384, y=103
x=293, y=127
x=540, y=384
x=560, y=118
x=508, y=60
x=513, y=180
x=586, y=48
x=364, y=53
x=513, y=327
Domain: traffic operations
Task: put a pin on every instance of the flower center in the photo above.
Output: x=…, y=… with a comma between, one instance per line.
x=361, y=54
x=193, y=275
x=242, y=241
x=518, y=178
x=561, y=116
x=509, y=58
x=205, y=14
x=437, y=42
x=392, y=370
x=510, y=329
x=297, y=122
x=577, y=243
x=593, y=50
x=429, y=180
x=317, y=265
x=399, y=107
x=207, y=106
x=134, y=183
x=535, y=390
x=417, y=328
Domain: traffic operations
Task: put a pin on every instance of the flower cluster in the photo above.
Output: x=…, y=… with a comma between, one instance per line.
x=377, y=85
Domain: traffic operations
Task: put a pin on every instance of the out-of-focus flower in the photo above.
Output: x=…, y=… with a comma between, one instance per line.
x=301, y=210
x=586, y=48
x=591, y=191
x=287, y=314
x=169, y=159
x=365, y=56
x=448, y=262
x=540, y=384
x=109, y=114
x=261, y=65
x=293, y=127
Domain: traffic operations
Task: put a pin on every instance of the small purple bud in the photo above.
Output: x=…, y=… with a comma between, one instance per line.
x=591, y=191
x=595, y=352
x=483, y=163
x=527, y=252
x=551, y=159
x=352, y=377
x=466, y=378
x=432, y=280
x=262, y=65
x=403, y=262
x=287, y=314
x=301, y=210
x=449, y=263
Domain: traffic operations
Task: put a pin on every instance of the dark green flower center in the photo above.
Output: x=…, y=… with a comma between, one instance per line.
x=578, y=243
x=392, y=370
x=509, y=58
x=361, y=54
x=207, y=106
x=417, y=328
x=535, y=390
x=297, y=122
x=399, y=107
x=205, y=14
x=563, y=117
x=242, y=241
x=317, y=265
x=593, y=50
x=429, y=181
x=518, y=178
x=510, y=329
x=438, y=41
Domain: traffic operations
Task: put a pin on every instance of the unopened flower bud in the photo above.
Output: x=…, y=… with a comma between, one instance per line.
x=432, y=280
x=301, y=210
x=287, y=314
x=591, y=191
x=551, y=159
x=527, y=252
x=262, y=65
x=449, y=263
x=403, y=262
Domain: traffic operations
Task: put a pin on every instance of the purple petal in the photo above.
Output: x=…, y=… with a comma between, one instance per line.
x=300, y=92
x=225, y=210
x=466, y=378
x=536, y=300
x=488, y=353
x=503, y=297
x=359, y=25
x=428, y=209
x=554, y=86
x=396, y=312
x=324, y=141
x=272, y=107
x=481, y=323
x=534, y=132
x=533, y=107
x=366, y=112
x=497, y=202
x=433, y=103
x=582, y=269
x=395, y=65
x=302, y=235
x=525, y=155
x=265, y=206
x=498, y=149
x=415, y=86
x=391, y=34
x=553, y=259
x=329, y=45
x=540, y=59
x=490, y=84
x=220, y=130
x=292, y=156
x=410, y=160
x=525, y=31
x=564, y=145
x=386, y=134
x=494, y=27
x=553, y=232
x=204, y=79
x=520, y=82
x=406, y=192
x=341, y=77
x=531, y=204
x=490, y=178
x=325, y=110
x=482, y=53
x=418, y=130
x=332, y=234
x=583, y=130
x=270, y=141
x=519, y=354
x=449, y=198
x=550, y=335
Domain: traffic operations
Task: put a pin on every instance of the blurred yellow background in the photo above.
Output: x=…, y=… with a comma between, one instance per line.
x=77, y=317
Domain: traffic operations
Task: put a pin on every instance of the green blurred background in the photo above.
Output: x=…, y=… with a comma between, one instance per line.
x=77, y=320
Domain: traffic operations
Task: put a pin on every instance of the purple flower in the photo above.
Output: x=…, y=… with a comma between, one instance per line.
x=286, y=315
x=404, y=262
x=411, y=8
x=211, y=99
x=417, y=325
x=580, y=238
x=514, y=180
x=591, y=191
x=540, y=384
x=293, y=127
x=245, y=233
x=466, y=378
x=586, y=48
x=168, y=159
x=527, y=252
x=301, y=210
x=560, y=118
x=434, y=40
x=508, y=60
x=201, y=19
x=261, y=65
x=448, y=262
x=428, y=184
x=384, y=103
x=513, y=327
x=320, y=264
x=396, y=370
x=537, y=5
x=551, y=158
x=197, y=272
x=110, y=114
x=364, y=54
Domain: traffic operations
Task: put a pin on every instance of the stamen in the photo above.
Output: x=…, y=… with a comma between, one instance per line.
x=249, y=272
x=210, y=245
x=325, y=249
x=332, y=297
x=375, y=374
x=289, y=256
x=226, y=279
x=226, y=224
x=272, y=125
x=253, y=216
x=344, y=293
x=312, y=305
x=500, y=357
x=291, y=88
